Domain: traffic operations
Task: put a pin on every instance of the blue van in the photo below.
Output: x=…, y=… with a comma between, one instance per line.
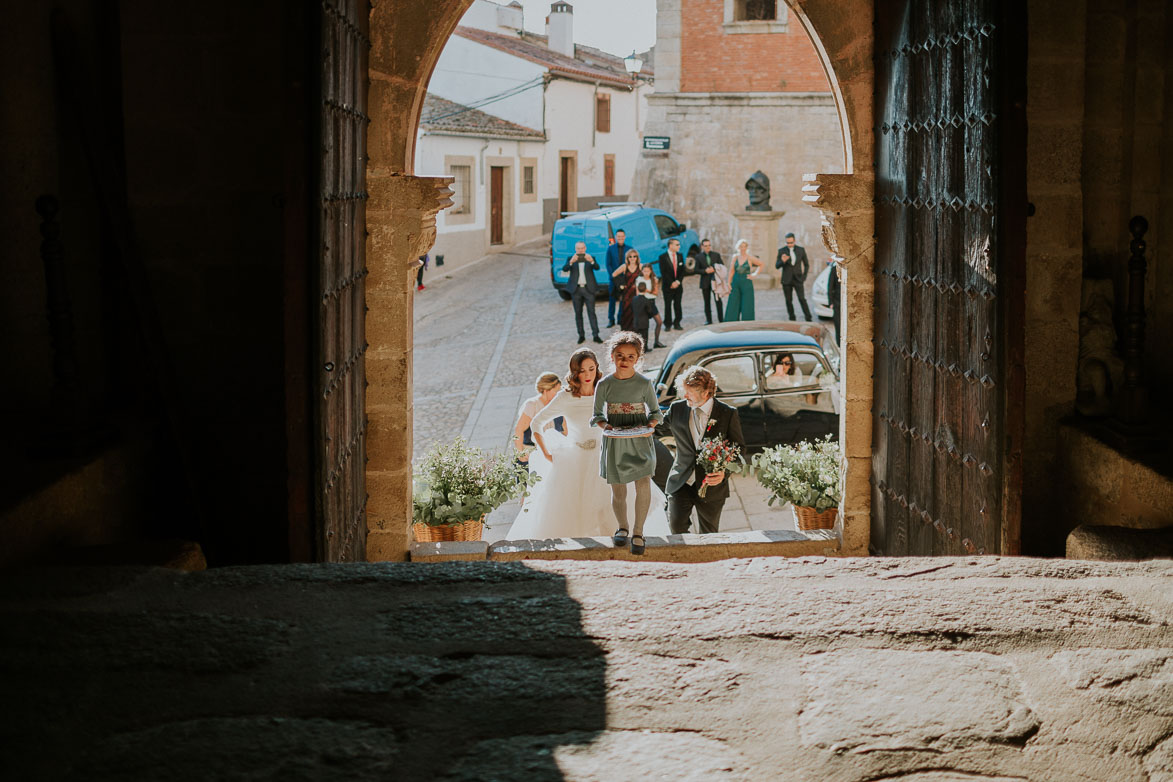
x=648, y=231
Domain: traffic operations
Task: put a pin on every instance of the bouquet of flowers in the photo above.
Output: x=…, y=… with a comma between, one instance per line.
x=805, y=475
x=717, y=454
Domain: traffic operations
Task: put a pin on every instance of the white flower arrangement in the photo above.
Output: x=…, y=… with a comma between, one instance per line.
x=455, y=483
x=806, y=474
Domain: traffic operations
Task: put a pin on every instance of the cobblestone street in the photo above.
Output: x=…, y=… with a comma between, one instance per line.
x=484, y=333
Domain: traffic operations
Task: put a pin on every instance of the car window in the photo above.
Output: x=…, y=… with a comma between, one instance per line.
x=794, y=369
x=735, y=374
x=666, y=226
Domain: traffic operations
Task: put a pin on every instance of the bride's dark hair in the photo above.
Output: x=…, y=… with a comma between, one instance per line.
x=576, y=359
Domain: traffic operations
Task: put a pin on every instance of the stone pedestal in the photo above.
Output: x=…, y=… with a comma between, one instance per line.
x=760, y=229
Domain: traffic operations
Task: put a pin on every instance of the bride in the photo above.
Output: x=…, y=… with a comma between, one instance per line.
x=572, y=500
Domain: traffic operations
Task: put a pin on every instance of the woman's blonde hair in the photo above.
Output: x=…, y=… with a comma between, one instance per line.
x=546, y=381
x=741, y=242
x=582, y=354
x=631, y=252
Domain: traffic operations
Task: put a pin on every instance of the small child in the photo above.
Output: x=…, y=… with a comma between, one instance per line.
x=626, y=399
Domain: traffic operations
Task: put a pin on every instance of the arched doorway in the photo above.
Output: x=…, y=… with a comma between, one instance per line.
x=406, y=42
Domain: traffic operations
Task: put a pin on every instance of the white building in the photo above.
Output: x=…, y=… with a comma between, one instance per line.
x=580, y=100
x=495, y=162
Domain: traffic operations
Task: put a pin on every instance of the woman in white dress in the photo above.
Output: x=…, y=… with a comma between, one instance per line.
x=572, y=500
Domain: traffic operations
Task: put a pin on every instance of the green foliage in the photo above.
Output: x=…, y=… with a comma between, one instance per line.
x=805, y=474
x=456, y=482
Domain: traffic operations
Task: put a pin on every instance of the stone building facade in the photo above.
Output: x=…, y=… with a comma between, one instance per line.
x=734, y=96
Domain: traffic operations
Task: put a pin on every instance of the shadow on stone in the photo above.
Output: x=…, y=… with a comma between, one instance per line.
x=299, y=672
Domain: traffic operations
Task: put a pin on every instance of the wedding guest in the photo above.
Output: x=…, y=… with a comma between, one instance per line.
x=616, y=256
x=706, y=266
x=740, y=305
x=691, y=419
x=672, y=282
x=786, y=373
x=794, y=265
x=625, y=399
x=643, y=304
x=419, y=275
x=833, y=296
x=582, y=288
x=626, y=275
x=547, y=385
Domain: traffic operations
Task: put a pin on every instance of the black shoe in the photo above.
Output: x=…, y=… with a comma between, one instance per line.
x=619, y=538
x=581, y=340
x=659, y=345
x=667, y=328
x=637, y=548
x=708, y=323
x=611, y=325
x=678, y=327
x=597, y=340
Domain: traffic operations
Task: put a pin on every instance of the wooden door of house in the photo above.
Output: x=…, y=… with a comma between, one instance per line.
x=950, y=222
x=496, y=205
x=340, y=309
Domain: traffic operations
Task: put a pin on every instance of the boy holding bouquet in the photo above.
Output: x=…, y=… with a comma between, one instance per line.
x=706, y=432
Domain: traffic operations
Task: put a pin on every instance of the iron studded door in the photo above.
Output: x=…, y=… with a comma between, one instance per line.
x=950, y=213
x=340, y=449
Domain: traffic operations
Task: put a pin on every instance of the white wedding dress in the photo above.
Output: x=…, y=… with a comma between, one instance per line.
x=572, y=500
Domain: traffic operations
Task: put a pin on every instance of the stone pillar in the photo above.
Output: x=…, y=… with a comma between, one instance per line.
x=760, y=229
x=845, y=201
x=401, y=225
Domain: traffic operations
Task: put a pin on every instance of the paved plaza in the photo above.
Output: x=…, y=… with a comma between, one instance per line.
x=484, y=333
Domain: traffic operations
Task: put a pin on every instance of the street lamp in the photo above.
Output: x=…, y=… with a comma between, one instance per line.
x=634, y=65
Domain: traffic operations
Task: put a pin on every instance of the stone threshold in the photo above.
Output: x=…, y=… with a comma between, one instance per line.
x=672, y=548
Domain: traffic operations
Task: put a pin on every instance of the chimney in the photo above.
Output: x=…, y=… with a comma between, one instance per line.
x=560, y=28
x=511, y=18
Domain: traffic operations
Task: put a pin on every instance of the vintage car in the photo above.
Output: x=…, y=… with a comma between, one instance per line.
x=748, y=359
x=648, y=231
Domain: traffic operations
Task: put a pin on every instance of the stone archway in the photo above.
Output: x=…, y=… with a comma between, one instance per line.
x=406, y=40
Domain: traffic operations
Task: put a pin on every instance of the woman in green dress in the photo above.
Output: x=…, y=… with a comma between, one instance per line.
x=739, y=306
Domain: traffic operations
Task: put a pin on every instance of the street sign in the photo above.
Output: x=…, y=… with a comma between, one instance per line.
x=656, y=142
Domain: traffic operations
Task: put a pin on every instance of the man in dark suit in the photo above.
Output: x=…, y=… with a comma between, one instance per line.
x=672, y=282
x=691, y=419
x=615, y=258
x=705, y=263
x=794, y=265
x=833, y=297
x=582, y=288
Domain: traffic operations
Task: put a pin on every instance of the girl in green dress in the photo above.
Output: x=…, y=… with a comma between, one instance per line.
x=739, y=306
x=626, y=399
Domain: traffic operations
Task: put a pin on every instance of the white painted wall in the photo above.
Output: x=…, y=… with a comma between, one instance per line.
x=570, y=125
x=468, y=72
x=461, y=243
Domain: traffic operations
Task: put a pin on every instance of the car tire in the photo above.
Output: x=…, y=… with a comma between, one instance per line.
x=690, y=264
x=565, y=296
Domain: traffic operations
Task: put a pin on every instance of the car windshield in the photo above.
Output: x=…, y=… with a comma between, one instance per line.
x=666, y=226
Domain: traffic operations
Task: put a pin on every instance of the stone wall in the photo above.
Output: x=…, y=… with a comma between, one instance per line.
x=1098, y=153
x=719, y=140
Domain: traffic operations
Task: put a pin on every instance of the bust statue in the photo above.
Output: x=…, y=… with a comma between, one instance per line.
x=758, y=186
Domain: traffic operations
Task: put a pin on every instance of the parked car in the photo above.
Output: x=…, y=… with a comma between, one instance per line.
x=648, y=231
x=742, y=355
x=820, y=299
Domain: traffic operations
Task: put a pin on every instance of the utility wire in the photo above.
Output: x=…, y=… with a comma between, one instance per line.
x=511, y=92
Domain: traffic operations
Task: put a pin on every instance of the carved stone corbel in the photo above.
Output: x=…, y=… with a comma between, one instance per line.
x=845, y=202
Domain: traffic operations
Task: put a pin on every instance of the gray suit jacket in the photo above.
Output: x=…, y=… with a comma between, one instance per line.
x=572, y=284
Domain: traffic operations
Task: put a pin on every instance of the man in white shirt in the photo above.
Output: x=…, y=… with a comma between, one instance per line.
x=692, y=419
x=582, y=288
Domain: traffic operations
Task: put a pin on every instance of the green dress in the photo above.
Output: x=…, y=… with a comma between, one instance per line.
x=739, y=305
x=623, y=403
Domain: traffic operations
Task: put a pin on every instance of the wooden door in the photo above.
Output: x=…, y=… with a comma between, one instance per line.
x=564, y=186
x=950, y=213
x=339, y=369
x=609, y=175
x=496, y=205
